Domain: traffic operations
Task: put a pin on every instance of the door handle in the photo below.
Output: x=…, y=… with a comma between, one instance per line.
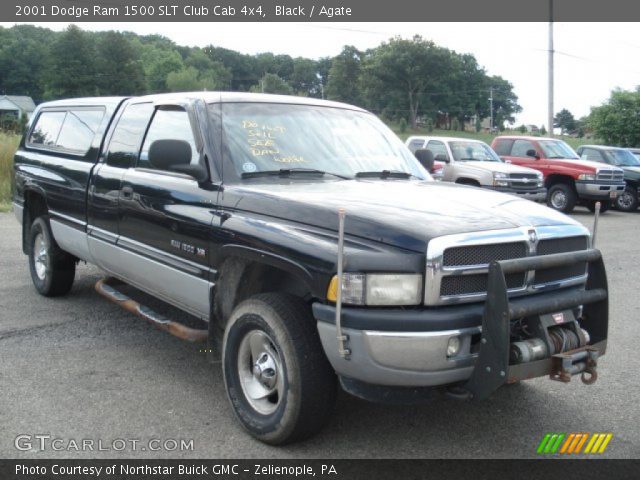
x=127, y=192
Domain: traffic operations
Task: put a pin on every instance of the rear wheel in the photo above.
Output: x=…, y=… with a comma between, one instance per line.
x=52, y=269
x=561, y=197
x=627, y=201
x=279, y=382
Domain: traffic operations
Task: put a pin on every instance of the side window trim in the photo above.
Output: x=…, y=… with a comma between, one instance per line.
x=55, y=148
x=104, y=156
x=194, y=132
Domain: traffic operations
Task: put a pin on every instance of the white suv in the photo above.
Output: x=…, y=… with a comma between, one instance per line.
x=472, y=162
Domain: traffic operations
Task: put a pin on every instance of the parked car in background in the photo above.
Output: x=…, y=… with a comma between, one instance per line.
x=472, y=162
x=627, y=201
x=570, y=181
x=636, y=152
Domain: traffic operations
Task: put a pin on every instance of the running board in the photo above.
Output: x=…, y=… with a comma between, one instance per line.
x=105, y=287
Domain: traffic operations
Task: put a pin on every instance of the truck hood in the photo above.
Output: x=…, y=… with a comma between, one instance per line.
x=498, y=167
x=402, y=213
x=632, y=173
x=581, y=164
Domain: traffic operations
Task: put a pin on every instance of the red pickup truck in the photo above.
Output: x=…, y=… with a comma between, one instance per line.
x=569, y=180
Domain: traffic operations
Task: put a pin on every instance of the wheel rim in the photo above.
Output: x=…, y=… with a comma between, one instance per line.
x=625, y=201
x=559, y=199
x=40, y=256
x=261, y=373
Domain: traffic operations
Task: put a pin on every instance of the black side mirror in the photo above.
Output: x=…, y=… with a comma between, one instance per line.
x=175, y=156
x=425, y=157
x=441, y=157
x=532, y=153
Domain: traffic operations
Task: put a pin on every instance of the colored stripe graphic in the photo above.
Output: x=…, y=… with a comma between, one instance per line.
x=572, y=443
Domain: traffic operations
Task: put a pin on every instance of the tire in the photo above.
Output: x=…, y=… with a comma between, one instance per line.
x=604, y=206
x=561, y=197
x=272, y=348
x=52, y=269
x=628, y=201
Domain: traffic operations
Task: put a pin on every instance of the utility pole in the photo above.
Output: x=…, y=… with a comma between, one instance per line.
x=491, y=109
x=550, y=106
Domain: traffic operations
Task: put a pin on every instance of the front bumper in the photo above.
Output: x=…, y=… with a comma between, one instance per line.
x=537, y=195
x=598, y=191
x=408, y=348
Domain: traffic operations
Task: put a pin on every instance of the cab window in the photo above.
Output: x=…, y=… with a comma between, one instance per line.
x=439, y=150
x=416, y=144
x=127, y=136
x=169, y=124
x=520, y=148
x=591, y=154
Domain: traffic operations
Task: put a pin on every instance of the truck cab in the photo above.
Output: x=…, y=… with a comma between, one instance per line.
x=472, y=162
x=570, y=181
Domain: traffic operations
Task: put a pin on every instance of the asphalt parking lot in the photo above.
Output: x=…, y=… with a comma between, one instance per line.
x=79, y=368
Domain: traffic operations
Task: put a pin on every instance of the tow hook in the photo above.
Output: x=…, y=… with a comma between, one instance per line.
x=583, y=361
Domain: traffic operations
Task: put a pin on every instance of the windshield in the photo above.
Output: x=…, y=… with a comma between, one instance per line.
x=478, y=151
x=557, y=149
x=269, y=137
x=623, y=158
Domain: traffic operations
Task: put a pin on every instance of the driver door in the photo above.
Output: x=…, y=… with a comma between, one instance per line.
x=165, y=218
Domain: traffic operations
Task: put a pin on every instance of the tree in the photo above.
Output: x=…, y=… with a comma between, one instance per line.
x=406, y=73
x=343, y=83
x=543, y=131
x=564, y=121
x=505, y=102
x=189, y=79
x=304, y=79
x=272, y=83
x=71, y=72
x=24, y=50
x=119, y=70
x=617, y=121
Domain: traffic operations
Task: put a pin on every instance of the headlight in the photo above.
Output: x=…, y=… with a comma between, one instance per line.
x=378, y=289
x=499, y=179
x=586, y=176
x=540, y=180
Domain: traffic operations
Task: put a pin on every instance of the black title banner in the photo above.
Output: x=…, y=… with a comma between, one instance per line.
x=316, y=10
x=186, y=469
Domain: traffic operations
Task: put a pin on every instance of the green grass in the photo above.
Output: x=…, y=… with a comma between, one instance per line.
x=8, y=146
x=483, y=136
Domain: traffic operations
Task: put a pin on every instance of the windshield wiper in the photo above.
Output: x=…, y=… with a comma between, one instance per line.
x=287, y=172
x=385, y=174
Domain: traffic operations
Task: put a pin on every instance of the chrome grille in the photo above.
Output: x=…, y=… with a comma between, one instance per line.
x=524, y=181
x=483, y=254
x=457, y=265
x=561, y=245
x=610, y=175
x=470, y=284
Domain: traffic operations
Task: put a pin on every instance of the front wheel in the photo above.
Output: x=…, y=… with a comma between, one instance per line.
x=627, y=201
x=279, y=382
x=561, y=197
x=52, y=269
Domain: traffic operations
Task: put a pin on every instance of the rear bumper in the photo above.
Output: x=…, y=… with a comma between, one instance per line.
x=598, y=191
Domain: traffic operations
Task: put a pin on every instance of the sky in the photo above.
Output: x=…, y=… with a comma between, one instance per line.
x=591, y=58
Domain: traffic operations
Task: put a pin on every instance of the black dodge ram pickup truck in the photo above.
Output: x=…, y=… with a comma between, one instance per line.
x=314, y=245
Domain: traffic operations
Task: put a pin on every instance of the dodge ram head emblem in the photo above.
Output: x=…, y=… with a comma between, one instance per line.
x=533, y=237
